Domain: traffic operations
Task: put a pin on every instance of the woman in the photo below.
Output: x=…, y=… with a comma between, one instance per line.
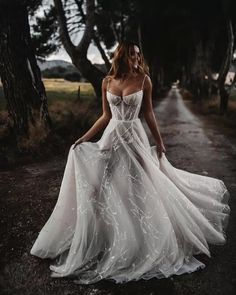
x=124, y=212
x=128, y=69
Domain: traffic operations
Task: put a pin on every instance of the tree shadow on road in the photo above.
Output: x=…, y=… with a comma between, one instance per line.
x=142, y=287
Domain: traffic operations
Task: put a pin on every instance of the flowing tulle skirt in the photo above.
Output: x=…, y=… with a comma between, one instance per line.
x=123, y=214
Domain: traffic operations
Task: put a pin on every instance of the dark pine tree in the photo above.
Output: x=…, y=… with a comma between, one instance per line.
x=20, y=75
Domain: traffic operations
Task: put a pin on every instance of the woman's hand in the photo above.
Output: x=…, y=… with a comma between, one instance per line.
x=161, y=149
x=78, y=141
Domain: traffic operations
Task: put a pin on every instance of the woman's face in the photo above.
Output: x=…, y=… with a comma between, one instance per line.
x=135, y=55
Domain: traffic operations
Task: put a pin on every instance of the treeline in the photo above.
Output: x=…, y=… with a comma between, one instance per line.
x=185, y=40
x=69, y=73
x=64, y=73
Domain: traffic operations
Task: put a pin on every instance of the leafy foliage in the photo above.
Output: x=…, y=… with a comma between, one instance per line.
x=45, y=33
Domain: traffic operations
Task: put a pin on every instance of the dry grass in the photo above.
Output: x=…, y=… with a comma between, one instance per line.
x=70, y=116
x=211, y=106
x=60, y=89
x=211, y=109
x=186, y=94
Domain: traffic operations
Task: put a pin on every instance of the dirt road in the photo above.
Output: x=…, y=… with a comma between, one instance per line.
x=29, y=193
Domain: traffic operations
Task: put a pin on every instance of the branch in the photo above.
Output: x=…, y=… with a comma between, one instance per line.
x=232, y=84
x=74, y=30
x=83, y=46
x=63, y=30
x=94, y=35
x=101, y=50
x=79, y=5
x=114, y=29
x=228, y=56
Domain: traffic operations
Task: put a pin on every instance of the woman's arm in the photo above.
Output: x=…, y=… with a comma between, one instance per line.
x=102, y=121
x=149, y=113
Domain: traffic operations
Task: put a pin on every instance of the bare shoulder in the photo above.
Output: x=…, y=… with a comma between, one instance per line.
x=106, y=79
x=147, y=82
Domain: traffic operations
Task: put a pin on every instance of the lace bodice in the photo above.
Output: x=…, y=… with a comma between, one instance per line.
x=125, y=107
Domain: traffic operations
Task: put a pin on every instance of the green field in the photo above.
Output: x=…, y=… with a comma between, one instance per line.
x=60, y=90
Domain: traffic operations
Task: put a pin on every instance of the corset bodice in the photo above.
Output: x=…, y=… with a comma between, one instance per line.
x=125, y=107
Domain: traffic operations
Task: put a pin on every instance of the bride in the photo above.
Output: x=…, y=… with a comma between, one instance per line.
x=123, y=212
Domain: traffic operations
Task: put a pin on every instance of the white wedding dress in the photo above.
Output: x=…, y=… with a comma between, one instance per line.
x=123, y=214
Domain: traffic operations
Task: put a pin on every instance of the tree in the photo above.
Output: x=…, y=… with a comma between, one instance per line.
x=188, y=42
x=102, y=24
x=78, y=53
x=227, y=61
x=20, y=74
x=45, y=33
x=182, y=44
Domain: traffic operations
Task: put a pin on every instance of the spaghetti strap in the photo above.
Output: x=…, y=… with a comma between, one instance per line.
x=144, y=80
x=108, y=83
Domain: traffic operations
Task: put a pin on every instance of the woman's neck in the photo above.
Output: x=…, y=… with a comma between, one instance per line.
x=130, y=75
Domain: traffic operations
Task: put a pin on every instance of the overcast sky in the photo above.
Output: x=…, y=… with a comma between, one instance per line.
x=93, y=55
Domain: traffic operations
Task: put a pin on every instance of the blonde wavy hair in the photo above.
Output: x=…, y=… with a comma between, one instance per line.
x=122, y=63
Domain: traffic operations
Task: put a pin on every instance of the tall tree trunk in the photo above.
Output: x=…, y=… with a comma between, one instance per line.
x=78, y=53
x=95, y=35
x=198, y=68
x=209, y=49
x=224, y=93
x=20, y=74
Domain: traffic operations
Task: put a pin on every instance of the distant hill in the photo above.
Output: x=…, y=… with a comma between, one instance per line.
x=48, y=64
x=63, y=69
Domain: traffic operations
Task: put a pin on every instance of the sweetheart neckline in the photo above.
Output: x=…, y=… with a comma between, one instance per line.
x=125, y=95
